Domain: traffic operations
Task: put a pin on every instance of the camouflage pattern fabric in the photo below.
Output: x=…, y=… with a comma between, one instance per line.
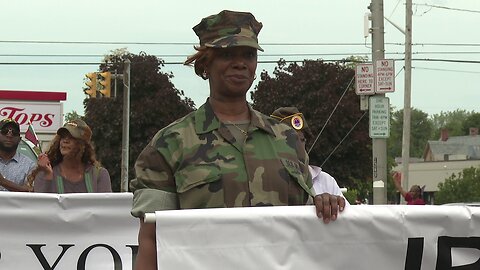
x=198, y=160
x=229, y=29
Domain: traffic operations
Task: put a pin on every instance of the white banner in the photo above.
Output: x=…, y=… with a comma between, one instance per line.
x=363, y=237
x=97, y=232
x=70, y=231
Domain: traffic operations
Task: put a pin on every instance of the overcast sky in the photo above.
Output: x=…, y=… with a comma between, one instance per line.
x=444, y=30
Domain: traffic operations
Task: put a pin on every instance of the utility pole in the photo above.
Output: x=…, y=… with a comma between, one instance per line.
x=407, y=97
x=379, y=145
x=126, y=126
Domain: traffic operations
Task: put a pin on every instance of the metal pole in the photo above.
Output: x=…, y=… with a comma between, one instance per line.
x=407, y=97
x=379, y=145
x=115, y=85
x=126, y=125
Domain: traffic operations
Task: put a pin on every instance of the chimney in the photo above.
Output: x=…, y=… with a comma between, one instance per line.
x=473, y=131
x=443, y=134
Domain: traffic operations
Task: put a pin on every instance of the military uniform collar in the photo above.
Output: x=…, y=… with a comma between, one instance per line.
x=206, y=120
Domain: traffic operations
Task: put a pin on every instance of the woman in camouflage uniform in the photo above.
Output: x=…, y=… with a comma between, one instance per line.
x=225, y=154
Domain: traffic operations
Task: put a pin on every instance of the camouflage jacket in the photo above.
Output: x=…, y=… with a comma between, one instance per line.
x=195, y=162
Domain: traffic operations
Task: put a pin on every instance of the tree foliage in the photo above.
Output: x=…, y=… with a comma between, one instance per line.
x=154, y=103
x=72, y=115
x=452, y=121
x=462, y=188
x=472, y=121
x=421, y=130
x=315, y=88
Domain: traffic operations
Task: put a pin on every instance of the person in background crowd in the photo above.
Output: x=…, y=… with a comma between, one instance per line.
x=322, y=181
x=414, y=196
x=69, y=166
x=14, y=166
x=225, y=154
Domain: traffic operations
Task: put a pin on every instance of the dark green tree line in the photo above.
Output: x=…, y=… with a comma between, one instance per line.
x=421, y=130
x=452, y=121
x=154, y=103
x=315, y=87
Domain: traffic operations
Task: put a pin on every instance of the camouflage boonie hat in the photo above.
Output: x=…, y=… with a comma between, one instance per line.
x=290, y=116
x=78, y=129
x=229, y=29
x=294, y=118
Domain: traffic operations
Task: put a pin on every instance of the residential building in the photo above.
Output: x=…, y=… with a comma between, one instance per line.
x=441, y=159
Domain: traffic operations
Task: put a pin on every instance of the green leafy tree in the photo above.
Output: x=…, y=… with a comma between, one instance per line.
x=315, y=87
x=452, y=121
x=72, y=115
x=472, y=121
x=352, y=61
x=462, y=188
x=154, y=103
x=421, y=130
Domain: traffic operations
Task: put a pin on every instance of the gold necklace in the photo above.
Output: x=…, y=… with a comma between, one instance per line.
x=241, y=130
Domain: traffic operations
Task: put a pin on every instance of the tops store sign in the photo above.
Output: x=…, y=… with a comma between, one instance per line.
x=45, y=117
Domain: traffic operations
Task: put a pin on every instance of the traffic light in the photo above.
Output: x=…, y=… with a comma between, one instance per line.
x=91, y=84
x=105, y=82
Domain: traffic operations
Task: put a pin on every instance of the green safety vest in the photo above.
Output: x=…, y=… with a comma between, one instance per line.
x=88, y=182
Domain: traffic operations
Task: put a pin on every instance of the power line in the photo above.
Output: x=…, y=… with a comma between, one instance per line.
x=445, y=52
x=449, y=60
x=395, y=8
x=170, y=43
x=185, y=55
x=447, y=44
x=448, y=70
x=262, y=55
x=448, y=8
x=193, y=44
x=331, y=113
x=343, y=139
x=260, y=61
x=95, y=42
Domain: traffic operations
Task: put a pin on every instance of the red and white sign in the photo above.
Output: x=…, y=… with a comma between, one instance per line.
x=46, y=117
x=364, y=79
x=385, y=76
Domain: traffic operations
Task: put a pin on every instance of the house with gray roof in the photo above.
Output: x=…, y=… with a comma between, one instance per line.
x=454, y=148
x=441, y=159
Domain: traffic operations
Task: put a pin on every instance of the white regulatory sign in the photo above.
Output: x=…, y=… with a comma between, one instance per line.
x=364, y=79
x=379, y=125
x=385, y=76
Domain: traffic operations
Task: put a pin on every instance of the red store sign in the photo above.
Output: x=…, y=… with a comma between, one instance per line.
x=42, y=109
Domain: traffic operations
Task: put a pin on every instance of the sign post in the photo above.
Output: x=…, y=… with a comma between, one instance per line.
x=379, y=125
